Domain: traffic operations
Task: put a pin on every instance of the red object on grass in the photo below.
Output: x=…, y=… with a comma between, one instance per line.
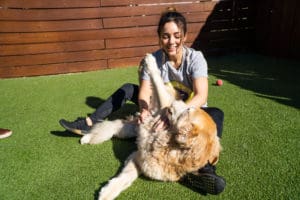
x=219, y=82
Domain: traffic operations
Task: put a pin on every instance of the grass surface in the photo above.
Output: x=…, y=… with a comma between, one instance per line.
x=260, y=160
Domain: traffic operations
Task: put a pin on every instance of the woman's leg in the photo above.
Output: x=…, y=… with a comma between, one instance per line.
x=205, y=180
x=218, y=116
x=81, y=126
x=128, y=92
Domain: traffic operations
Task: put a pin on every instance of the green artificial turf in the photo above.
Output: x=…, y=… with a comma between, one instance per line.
x=260, y=158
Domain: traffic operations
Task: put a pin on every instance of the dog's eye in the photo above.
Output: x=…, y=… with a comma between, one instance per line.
x=169, y=111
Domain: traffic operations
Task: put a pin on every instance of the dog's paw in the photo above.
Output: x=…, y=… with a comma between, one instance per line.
x=85, y=139
x=105, y=194
x=151, y=65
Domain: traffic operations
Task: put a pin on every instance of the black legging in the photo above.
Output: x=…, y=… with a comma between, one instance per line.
x=129, y=92
x=218, y=116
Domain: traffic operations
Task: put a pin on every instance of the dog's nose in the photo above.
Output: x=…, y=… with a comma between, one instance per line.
x=169, y=111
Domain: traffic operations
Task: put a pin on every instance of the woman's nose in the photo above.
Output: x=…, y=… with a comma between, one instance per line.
x=172, y=40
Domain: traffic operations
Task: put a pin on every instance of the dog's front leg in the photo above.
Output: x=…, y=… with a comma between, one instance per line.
x=164, y=97
x=118, y=184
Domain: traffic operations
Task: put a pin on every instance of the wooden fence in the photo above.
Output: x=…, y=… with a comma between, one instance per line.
x=278, y=28
x=62, y=36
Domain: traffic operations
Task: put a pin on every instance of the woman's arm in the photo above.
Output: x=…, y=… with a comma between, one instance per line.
x=144, y=98
x=200, y=88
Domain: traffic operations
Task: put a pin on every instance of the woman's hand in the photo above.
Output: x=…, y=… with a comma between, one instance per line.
x=161, y=124
x=163, y=121
x=143, y=115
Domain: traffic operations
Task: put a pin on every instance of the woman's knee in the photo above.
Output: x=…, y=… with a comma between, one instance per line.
x=215, y=112
x=127, y=86
x=218, y=112
x=130, y=91
x=218, y=116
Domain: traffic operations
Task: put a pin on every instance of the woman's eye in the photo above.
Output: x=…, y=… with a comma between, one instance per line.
x=165, y=37
x=178, y=36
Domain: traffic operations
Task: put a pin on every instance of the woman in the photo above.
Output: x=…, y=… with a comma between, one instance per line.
x=184, y=68
x=179, y=65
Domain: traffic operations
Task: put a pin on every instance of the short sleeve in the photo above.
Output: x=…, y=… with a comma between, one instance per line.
x=143, y=74
x=198, y=65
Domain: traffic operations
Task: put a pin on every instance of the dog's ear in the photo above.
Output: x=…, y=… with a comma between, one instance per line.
x=195, y=130
x=197, y=122
x=214, y=160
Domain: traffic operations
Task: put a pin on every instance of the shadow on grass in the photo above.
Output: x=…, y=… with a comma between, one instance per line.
x=64, y=134
x=268, y=77
x=93, y=102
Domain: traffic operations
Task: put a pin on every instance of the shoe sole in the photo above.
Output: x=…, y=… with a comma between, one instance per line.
x=76, y=131
x=206, y=183
x=6, y=135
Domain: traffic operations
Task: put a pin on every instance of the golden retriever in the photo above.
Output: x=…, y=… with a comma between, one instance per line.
x=186, y=145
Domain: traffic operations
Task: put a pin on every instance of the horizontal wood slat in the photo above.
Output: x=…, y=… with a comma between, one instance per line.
x=131, y=42
x=25, y=38
x=140, y=41
x=49, y=3
x=48, y=26
x=62, y=57
x=152, y=20
x=48, y=69
x=96, y=13
x=24, y=49
x=141, y=2
x=118, y=22
x=61, y=36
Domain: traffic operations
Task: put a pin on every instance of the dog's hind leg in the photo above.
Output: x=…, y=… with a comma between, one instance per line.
x=165, y=99
x=127, y=131
x=103, y=131
x=118, y=184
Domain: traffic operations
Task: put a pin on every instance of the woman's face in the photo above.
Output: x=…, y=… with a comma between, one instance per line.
x=171, y=39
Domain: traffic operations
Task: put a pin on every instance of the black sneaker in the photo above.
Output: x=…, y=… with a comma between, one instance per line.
x=79, y=126
x=205, y=181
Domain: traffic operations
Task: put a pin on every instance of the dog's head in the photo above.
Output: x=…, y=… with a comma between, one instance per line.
x=185, y=121
x=194, y=127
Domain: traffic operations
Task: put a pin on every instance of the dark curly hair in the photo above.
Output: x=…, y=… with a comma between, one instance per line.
x=171, y=15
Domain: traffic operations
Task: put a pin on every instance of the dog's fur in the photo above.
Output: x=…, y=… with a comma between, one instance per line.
x=188, y=144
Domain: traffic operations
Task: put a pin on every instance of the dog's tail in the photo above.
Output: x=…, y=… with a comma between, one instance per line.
x=120, y=183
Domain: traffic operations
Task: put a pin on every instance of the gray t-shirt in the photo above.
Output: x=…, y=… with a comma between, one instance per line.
x=193, y=66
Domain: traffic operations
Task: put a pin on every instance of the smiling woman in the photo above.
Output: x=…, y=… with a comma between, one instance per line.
x=171, y=40
x=172, y=35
